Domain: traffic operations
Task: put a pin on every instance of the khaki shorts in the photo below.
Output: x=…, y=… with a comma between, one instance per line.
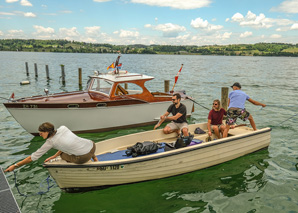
x=79, y=159
x=174, y=125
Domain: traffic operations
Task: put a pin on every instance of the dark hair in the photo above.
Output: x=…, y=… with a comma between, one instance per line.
x=178, y=96
x=47, y=127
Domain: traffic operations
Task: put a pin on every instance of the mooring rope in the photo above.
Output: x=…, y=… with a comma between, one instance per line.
x=38, y=193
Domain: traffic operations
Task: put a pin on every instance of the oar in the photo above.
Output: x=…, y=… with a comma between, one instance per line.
x=196, y=102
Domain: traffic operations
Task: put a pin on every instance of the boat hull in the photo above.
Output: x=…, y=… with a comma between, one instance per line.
x=93, y=119
x=161, y=165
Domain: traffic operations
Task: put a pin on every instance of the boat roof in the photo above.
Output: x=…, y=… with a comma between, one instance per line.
x=123, y=76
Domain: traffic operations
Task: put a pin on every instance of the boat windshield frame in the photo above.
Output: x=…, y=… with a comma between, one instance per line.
x=101, y=85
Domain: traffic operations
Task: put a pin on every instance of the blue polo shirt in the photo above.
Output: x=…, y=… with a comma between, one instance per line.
x=237, y=99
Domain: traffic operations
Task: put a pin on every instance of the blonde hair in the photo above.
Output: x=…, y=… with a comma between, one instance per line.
x=218, y=102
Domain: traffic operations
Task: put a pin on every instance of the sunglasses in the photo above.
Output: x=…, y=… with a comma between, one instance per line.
x=174, y=99
x=215, y=104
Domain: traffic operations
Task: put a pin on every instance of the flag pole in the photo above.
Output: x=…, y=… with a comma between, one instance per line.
x=176, y=78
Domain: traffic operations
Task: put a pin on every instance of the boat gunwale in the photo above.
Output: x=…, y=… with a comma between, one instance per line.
x=155, y=156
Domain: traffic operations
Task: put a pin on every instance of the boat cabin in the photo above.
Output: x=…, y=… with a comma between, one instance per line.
x=116, y=86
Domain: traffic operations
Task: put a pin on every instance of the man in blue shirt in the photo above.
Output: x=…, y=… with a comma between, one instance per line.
x=237, y=109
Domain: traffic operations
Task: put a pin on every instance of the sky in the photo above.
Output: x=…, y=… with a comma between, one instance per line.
x=162, y=22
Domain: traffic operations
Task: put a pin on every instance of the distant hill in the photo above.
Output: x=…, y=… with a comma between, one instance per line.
x=258, y=49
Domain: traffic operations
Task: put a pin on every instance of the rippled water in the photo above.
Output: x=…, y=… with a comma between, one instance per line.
x=265, y=181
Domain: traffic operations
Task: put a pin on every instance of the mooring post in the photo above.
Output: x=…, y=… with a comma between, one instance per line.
x=167, y=85
x=27, y=69
x=62, y=74
x=125, y=86
x=80, y=78
x=224, y=97
x=35, y=69
x=47, y=72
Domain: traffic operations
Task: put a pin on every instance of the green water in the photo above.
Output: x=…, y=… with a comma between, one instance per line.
x=265, y=181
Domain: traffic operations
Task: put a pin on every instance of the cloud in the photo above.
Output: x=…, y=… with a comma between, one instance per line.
x=168, y=29
x=275, y=36
x=127, y=34
x=200, y=23
x=237, y=17
x=11, y=1
x=30, y=15
x=71, y=32
x=15, y=34
x=176, y=4
x=66, y=11
x=92, y=31
x=288, y=6
x=260, y=21
x=6, y=14
x=245, y=34
x=294, y=26
x=1, y=33
x=26, y=3
x=252, y=20
x=224, y=36
x=41, y=29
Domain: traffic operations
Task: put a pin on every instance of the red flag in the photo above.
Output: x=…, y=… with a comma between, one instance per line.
x=12, y=96
x=176, y=77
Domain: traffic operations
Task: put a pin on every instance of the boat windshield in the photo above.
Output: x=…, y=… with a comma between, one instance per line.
x=101, y=85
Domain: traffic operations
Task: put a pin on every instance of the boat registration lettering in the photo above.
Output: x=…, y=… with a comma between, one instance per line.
x=108, y=168
x=30, y=106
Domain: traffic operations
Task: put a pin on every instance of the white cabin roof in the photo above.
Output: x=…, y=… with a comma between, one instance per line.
x=123, y=77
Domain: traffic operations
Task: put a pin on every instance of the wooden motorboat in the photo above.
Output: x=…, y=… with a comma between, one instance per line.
x=114, y=168
x=117, y=99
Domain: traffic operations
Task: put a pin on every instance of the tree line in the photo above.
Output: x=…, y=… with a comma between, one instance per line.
x=258, y=49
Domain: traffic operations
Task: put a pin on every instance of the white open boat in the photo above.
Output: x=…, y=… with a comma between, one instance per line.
x=113, y=168
x=113, y=100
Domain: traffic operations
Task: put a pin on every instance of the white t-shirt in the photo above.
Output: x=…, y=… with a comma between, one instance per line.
x=66, y=141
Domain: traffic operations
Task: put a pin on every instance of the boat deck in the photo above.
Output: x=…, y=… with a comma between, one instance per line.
x=119, y=154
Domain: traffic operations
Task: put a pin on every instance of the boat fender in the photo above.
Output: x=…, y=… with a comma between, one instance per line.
x=24, y=82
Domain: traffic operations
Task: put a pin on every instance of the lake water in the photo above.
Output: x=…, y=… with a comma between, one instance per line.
x=265, y=181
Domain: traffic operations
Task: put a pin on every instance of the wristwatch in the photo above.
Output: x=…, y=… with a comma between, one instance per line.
x=16, y=165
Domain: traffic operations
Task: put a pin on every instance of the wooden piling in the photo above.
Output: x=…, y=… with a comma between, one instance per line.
x=224, y=97
x=167, y=85
x=62, y=74
x=27, y=69
x=80, y=78
x=35, y=69
x=125, y=86
x=47, y=72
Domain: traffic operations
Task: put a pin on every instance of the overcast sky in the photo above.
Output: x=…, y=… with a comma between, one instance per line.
x=172, y=22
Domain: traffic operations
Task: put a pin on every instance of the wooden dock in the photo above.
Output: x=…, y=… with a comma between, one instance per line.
x=8, y=203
